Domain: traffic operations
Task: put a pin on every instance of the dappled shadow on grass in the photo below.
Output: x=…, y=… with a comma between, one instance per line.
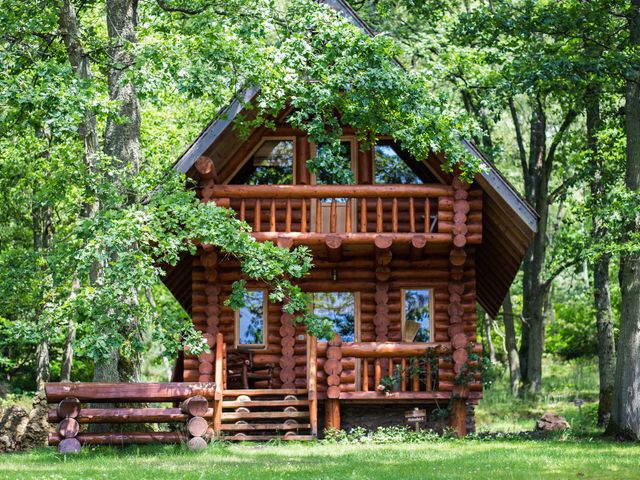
x=451, y=459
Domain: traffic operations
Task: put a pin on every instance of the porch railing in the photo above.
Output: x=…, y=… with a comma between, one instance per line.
x=412, y=367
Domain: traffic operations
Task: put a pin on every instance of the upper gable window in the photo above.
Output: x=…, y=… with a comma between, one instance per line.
x=390, y=168
x=271, y=164
x=346, y=163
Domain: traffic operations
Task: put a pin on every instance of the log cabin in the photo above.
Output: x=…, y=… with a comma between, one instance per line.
x=402, y=258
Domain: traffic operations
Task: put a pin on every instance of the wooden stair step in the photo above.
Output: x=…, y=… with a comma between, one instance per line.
x=265, y=392
x=246, y=415
x=263, y=426
x=264, y=438
x=265, y=403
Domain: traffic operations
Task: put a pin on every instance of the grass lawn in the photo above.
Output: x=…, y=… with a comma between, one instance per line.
x=579, y=453
x=445, y=459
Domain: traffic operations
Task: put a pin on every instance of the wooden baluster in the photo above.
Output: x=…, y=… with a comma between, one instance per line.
x=403, y=384
x=394, y=215
x=390, y=367
x=379, y=215
x=332, y=219
x=427, y=376
x=312, y=388
x=365, y=374
x=303, y=219
x=363, y=215
x=224, y=365
x=287, y=217
x=416, y=378
x=257, y=216
x=219, y=393
x=377, y=373
x=318, y=216
x=272, y=218
x=242, y=210
x=427, y=216
x=412, y=216
x=347, y=220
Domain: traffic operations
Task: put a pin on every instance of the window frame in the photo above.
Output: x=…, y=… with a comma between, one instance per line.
x=263, y=140
x=374, y=164
x=265, y=323
x=403, y=312
x=357, y=334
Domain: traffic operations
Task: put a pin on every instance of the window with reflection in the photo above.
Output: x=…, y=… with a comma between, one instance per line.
x=391, y=168
x=342, y=164
x=417, y=315
x=271, y=164
x=251, y=319
x=340, y=309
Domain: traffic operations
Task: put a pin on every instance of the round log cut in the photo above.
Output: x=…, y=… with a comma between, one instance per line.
x=68, y=407
x=197, y=426
x=68, y=427
x=69, y=445
x=195, y=406
x=197, y=443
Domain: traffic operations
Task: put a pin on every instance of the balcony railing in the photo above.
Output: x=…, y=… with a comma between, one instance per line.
x=355, y=213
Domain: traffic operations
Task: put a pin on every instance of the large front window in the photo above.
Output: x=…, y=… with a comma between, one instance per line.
x=340, y=309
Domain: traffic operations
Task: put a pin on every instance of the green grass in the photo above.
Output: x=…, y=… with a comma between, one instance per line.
x=580, y=453
x=563, y=383
x=450, y=459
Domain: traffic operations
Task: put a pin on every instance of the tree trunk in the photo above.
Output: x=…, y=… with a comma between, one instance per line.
x=536, y=173
x=536, y=189
x=602, y=298
x=487, y=333
x=122, y=138
x=625, y=411
x=42, y=363
x=88, y=132
x=511, y=345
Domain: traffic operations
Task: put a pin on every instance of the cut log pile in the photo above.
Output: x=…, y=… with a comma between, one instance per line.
x=69, y=413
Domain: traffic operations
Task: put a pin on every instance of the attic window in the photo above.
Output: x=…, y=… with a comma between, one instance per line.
x=391, y=168
x=271, y=164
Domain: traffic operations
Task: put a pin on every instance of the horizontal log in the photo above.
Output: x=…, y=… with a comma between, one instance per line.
x=386, y=349
x=329, y=191
x=318, y=239
x=127, y=392
x=122, y=438
x=128, y=415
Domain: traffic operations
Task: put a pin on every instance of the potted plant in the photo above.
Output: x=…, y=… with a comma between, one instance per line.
x=391, y=383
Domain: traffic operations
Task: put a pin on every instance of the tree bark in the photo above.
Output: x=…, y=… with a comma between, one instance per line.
x=602, y=298
x=88, y=132
x=511, y=345
x=537, y=174
x=625, y=411
x=122, y=131
x=487, y=333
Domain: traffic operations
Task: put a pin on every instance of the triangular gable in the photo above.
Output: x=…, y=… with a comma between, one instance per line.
x=509, y=221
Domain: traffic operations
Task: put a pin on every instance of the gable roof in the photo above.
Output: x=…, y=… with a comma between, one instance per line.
x=509, y=222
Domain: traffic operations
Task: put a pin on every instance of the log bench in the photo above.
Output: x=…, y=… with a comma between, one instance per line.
x=69, y=413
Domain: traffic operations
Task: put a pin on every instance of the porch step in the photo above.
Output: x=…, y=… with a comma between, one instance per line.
x=265, y=414
x=264, y=403
x=264, y=426
x=264, y=438
x=266, y=392
x=248, y=415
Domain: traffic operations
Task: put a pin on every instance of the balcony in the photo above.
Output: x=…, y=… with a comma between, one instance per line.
x=334, y=215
